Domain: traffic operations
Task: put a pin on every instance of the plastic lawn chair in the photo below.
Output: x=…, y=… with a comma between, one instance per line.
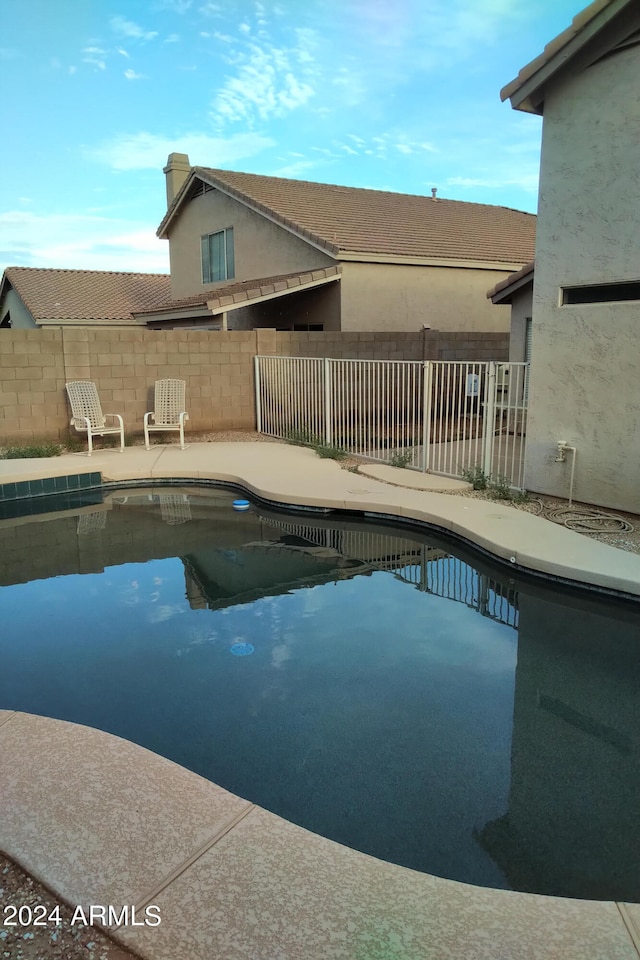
x=168, y=412
x=87, y=416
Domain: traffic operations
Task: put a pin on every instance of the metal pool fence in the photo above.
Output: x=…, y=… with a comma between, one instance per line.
x=441, y=416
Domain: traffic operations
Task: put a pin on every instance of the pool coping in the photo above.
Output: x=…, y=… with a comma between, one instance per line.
x=100, y=820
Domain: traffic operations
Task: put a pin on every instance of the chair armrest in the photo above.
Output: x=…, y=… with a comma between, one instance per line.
x=84, y=421
x=115, y=416
x=149, y=416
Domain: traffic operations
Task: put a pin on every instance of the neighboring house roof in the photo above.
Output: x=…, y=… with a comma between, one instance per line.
x=526, y=92
x=62, y=296
x=504, y=289
x=231, y=296
x=354, y=223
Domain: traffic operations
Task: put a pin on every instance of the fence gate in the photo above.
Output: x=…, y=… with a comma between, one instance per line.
x=445, y=417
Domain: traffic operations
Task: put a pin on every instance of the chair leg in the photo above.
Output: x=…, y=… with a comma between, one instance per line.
x=90, y=440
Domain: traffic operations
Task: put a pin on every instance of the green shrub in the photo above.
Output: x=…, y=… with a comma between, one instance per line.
x=400, y=458
x=328, y=452
x=499, y=488
x=45, y=448
x=476, y=476
x=302, y=438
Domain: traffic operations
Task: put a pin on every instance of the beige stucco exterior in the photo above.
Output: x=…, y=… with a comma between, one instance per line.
x=585, y=371
x=521, y=311
x=261, y=247
x=383, y=296
x=11, y=303
x=370, y=296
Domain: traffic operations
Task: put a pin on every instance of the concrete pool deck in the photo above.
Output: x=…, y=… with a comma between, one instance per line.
x=103, y=821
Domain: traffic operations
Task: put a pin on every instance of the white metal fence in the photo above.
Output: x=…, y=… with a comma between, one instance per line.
x=445, y=417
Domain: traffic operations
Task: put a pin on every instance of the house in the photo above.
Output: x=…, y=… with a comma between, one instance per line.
x=585, y=352
x=34, y=297
x=516, y=290
x=258, y=251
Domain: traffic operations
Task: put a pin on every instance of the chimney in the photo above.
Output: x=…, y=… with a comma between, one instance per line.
x=176, y=171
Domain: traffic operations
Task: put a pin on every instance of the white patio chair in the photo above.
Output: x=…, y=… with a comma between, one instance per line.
x=86, y=413
x=168, y=412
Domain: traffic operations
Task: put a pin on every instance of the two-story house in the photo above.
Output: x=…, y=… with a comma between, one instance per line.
x=252, y=251
x=585, y=317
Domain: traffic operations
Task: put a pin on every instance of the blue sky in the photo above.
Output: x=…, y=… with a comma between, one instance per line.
x=400, y=95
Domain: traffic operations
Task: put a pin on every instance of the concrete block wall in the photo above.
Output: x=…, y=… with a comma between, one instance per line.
x=217, y=367
x=427, y=345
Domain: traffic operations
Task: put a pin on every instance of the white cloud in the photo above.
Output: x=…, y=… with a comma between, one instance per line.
x=77, y=241
x=525, y=181
x=210, y=10
x=264, y=87
x=294, y=170
x=146, y=151
x=123, y=53
x=244, y=28
x=132, y=75
x=130, y=29
x=95, y=56
x=172, y=38
x=403, y=148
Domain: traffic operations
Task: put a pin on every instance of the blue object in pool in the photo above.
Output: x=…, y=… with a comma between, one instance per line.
x=241, y=504
x=242, y=649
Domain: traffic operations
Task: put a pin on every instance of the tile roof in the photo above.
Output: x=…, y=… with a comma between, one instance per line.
x=502, y=285
x=556, y=47
x=87, y=294
x=232, y=295
x=351, y=220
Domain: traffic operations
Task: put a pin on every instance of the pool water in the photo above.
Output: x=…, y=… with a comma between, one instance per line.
x=379, y=687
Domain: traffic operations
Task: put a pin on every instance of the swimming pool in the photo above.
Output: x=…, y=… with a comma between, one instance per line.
x=378, y=686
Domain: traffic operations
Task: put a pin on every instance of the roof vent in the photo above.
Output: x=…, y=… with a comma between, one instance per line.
x=434, y=191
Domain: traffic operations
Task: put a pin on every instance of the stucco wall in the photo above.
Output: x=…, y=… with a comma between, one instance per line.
x=585, y=372
x=521, y=310
x=262, y=249
x=21, y=319
x=397, y=297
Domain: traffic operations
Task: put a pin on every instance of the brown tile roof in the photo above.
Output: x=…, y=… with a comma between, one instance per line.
x=511, y=279
x=350, y=220
x=582, y=24
x=231, y=295
x=87, y=294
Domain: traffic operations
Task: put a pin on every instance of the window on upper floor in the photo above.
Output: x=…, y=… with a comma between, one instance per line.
x=217, y=256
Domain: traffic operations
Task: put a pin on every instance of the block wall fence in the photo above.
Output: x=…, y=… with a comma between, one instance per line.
x=217, y=367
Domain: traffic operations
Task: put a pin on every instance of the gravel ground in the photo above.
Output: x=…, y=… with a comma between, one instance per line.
x=52, y=941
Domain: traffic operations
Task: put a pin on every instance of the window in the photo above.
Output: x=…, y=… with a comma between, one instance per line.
x=602, y=293
x=6, y=320
x=217, y=256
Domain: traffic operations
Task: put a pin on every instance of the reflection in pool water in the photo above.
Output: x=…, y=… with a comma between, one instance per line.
x=378, y=687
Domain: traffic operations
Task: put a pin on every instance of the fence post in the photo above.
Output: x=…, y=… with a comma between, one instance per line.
x=427, y=399
x=256, y=367
x=328, y=424
x=489, y=418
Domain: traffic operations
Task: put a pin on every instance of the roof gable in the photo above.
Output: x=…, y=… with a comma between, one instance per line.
x=601, y=28
x=86, y=294
x=344, y=221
